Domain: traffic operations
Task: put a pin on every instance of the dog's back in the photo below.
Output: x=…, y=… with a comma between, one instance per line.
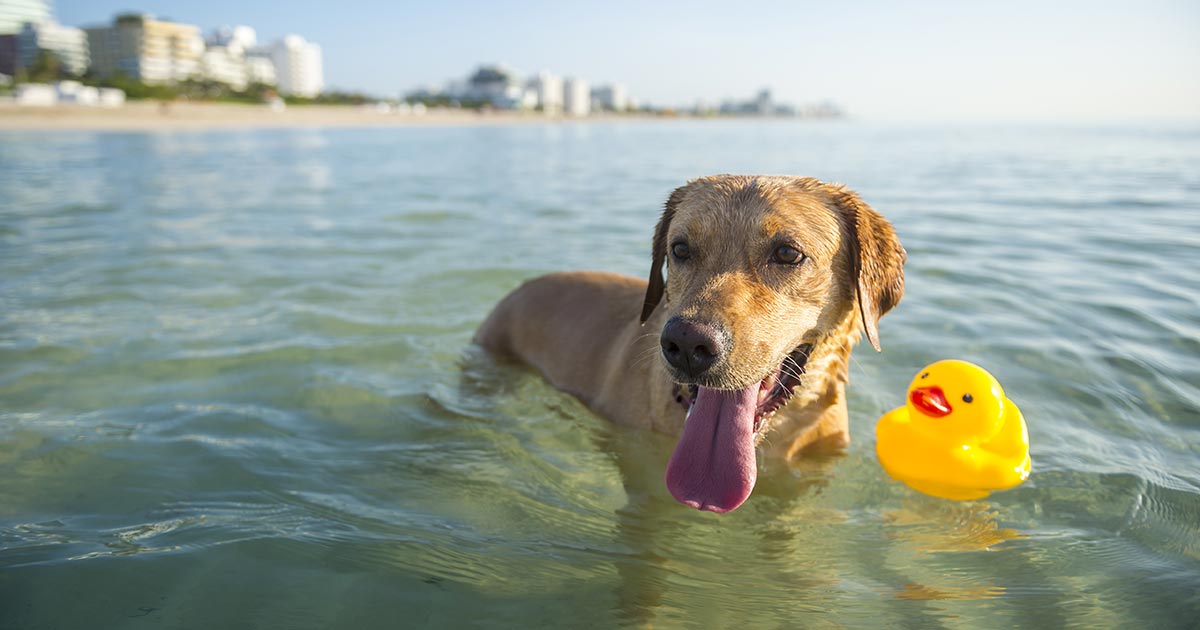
x=577, y=329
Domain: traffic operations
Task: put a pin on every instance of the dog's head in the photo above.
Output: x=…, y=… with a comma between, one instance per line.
x=759, y=271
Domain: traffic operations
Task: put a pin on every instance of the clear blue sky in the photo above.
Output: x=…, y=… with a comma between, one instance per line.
x=1022, y=59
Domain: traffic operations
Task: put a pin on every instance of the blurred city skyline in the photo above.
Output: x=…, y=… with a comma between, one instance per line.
x=930, y=61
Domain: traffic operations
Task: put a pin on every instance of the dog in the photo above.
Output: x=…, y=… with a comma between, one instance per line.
x=770, y=282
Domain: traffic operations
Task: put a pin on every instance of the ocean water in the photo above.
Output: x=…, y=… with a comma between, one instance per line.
x=237, y=387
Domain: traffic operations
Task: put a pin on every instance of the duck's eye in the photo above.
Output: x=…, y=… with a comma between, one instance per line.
x=680, y=251
x=925, y=375
x=968, y=398
x=787, y=255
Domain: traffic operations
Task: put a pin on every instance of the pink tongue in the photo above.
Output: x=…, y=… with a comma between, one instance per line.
x=713, y=467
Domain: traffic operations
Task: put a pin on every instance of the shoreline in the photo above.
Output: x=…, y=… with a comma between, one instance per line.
x=191, y=116
x=194, y=116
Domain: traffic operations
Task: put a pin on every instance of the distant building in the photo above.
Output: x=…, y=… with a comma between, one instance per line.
x=234, y=57
x=495, y=85
x=8, y=55
x=67, y=93
x=611, y=97
x=224, y=65
x=239, y=40
x=76, y=93
x=577, y=98
x=111, y=97
x=298, y=68
x=68, y=44
x=35, y=95
x=548, y=92
x=260, y=69
x=146, y=49
x=227, y=58
x=15, y=13
x=763, y=105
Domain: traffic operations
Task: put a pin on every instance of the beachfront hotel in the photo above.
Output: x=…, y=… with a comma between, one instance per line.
x=577, y=98
x=298, y=70
x=497, y=86
x=67, y=43
x=547, y=90
x=224, y=59
x=260, y=68
x=611, y=97
x=232, y=56
x=146, y=49
x=15, y=13
x=158, y=51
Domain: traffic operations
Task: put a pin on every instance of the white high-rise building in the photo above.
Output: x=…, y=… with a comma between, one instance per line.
x=15, y=13
x=548, y=89
x=612, y=97
x=298, y=70
x=577, y=98
x=69, y=44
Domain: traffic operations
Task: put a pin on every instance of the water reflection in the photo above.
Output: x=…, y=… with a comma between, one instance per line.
x=936, y=526
x=245, y=351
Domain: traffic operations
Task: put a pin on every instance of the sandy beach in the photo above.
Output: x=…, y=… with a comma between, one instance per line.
x=153, y=116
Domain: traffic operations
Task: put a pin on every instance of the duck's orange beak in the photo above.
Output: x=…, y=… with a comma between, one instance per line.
x=930, y=401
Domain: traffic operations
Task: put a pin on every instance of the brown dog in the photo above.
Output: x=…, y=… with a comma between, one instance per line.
x=770, y=282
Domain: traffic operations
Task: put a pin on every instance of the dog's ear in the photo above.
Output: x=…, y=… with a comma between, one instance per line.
x=654, y=291
x=876, y=258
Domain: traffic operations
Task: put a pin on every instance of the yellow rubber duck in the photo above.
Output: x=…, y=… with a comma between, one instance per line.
x=958, y=437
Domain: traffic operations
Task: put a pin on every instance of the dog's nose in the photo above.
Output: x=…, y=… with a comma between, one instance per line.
x=690, y=346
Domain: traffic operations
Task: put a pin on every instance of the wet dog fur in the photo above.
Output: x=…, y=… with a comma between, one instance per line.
x=596, y=335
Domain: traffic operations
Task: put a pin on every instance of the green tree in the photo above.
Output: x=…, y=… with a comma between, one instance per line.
x=46, y=68
x=136, y=90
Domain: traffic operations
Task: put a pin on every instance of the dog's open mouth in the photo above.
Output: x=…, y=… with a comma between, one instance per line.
x=714, y=465
x=777, y=389
x=774, y=391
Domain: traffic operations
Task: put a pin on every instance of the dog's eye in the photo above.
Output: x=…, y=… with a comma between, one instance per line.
x=787, y=255
x=680, y=251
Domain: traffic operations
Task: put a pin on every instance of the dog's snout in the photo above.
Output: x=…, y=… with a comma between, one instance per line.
x=690, y=346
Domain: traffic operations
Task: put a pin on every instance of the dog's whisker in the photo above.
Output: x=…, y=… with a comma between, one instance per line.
x=650, y=351
x=791, y=371
x=646, y=355
x=641, y=361
x=862, y=370
x=846, y=346
x=644, y=336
